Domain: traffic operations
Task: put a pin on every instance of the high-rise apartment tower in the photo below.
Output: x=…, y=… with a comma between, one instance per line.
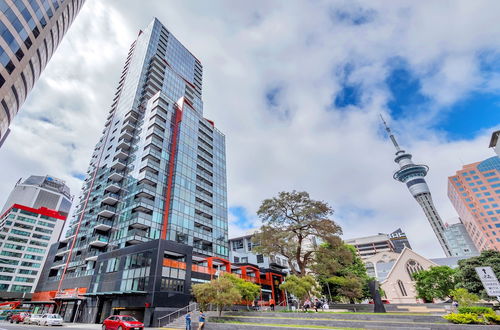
x=413, y=176
x=157, y=177
x=30, y=31
x=474, y=191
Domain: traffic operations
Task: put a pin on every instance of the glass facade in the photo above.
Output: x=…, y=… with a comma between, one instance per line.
x=30, y=31
x=158, y=171
x=474, y=191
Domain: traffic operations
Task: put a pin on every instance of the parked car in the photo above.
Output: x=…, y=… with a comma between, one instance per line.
x=33, y=319
x=122, y=322
x=50, y=319
x=19, y=317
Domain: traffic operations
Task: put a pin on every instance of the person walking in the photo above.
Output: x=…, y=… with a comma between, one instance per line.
x=188, y=321
x=202, y=321
x=271, y=304
x=317, y=304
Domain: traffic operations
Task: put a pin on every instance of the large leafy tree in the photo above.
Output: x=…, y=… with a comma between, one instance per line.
x=467, y=277
x=435, y=283
x=301, y=287
x=221, y=292
x=292, y=222
x=341, y=272
x=248, y=290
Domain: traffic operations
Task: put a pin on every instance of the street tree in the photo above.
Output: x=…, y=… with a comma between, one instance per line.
x=435, y=283
x=249, y=291
x=301, y=287
x=350, y=287
x=291, y=222
x=220, y=292
x=467, y=277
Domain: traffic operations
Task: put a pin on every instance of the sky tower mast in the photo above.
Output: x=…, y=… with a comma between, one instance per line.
x=413, y=175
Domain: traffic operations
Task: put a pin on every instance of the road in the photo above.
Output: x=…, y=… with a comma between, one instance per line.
x=7, y=326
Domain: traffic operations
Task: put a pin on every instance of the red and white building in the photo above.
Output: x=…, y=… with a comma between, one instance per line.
x=31, y=221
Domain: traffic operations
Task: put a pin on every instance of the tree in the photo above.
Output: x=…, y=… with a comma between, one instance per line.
x=463, y=297
x=435, y=283
x=220, y=292
x=291, y=223
x=301, y=287
x=248, y=290
x=348, y=287
x=337, y=266
x=467, y=277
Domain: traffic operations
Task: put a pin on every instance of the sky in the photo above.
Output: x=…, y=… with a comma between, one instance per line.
x=297, y=88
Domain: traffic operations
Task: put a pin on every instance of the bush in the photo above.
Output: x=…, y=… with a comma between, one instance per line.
x=492, y=318
x=464, y=297
x=466, y=318
x=479, y=310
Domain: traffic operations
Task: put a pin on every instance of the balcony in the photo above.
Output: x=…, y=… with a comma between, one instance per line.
x=113, y=187
x=147, y=177
x=124, y=143
x=128, y=126
x=110, y=198
x=116, y=176
x=107, y=211
x=67, y=239
x=99, y=241
x=62, y=251
x=126, y=135
x=145, y=190
x=92, y=255
x=118, y=164
x=143, y=204
x=137, y=236
x=103, y=224
x=140, y=220
x=122, y=154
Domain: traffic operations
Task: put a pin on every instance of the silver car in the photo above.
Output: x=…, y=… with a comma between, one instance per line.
x=33, y=319
x=51, y=319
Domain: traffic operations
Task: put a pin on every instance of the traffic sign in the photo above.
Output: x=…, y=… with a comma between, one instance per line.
x=489, y=280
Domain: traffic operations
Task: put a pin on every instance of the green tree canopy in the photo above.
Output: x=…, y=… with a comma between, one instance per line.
x=435, y=283
x=341, y=272
x=292, y=221
x=221, y=292
x=301, y=287
x=350, y=287
x=248, y=290
x=467, y=277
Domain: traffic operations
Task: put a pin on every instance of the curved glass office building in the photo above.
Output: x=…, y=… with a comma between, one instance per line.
x=30, y=31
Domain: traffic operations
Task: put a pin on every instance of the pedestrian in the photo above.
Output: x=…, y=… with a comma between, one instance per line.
x=188, y=321
x=307, y=304
x=317, y=305
x=271, y=304
x=202, y=321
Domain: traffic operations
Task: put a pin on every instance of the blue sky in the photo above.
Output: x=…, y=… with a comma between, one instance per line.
x=297, y=88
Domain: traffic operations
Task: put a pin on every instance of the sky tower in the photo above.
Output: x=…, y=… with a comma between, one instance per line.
x=413, y=175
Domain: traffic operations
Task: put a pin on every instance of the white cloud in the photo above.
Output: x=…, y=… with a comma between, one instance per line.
x=249, y=47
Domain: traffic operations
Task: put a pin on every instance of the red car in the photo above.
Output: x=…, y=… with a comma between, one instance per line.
x=19, y=317
x=122, y=322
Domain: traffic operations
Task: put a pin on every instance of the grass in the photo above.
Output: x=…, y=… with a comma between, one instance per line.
x=320, y=319
x=286, y=325
x=354, y=313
